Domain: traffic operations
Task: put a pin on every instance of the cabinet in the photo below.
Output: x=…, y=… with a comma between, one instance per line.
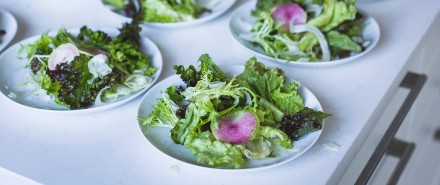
x=419, y=132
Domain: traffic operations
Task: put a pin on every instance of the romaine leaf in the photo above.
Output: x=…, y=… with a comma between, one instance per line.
x=326, y=16
x=185, y=129
x=342, y=41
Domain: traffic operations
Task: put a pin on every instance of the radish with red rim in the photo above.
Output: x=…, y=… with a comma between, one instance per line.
x=236, y=127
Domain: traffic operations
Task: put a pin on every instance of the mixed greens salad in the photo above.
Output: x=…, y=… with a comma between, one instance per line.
x=225, y=120
x=307, y=30
x=90, y=68
x=163, y=11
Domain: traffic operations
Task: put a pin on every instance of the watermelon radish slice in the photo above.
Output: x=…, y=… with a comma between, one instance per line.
x=285, y=13
x=62, y=54
x=236, y=127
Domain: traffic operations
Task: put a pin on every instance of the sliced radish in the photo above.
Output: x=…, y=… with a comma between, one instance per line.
x=236, y=127
x=62, y=54
x=289, y=12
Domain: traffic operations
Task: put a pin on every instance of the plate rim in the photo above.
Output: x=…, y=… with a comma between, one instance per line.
x=152, y=47
x=249, y=5
x=11, y=30
x=176, y=79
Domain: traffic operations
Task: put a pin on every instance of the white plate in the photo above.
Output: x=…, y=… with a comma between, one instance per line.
x=161, y=138
x=242, y=21
x=220, y=7
x=9, y=24
x=17, y=85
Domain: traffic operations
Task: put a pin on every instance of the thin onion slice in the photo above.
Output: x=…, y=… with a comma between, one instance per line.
x=98, y=100
x=315, y=31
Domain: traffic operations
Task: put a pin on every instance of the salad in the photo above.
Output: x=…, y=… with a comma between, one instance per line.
x=90, y=68
x=163, y=11
x=226, y=120
x=307, y=30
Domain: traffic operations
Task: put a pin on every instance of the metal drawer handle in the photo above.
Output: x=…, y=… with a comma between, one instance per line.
x=402, y=150
x=414, y=82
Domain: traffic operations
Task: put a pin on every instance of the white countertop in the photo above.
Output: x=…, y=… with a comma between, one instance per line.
x=108, y=147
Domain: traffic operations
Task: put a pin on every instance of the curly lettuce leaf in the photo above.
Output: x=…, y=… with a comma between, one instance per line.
x=41, y=47
x=93, y=39
x=126, y=54
x=278, y=136
x=287, y=98
x=191, y=76
x=211, y=152
x=164, y=113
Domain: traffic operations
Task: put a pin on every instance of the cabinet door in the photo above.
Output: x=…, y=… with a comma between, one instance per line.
x=417, y=141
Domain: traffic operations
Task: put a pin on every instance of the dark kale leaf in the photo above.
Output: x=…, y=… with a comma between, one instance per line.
x=301, y=123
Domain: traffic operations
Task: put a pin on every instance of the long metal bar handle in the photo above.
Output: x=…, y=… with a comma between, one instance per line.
x=402, y=150
x=415, y=83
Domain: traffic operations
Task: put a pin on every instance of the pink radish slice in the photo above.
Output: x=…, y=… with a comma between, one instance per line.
x=63, y=53
x=285, y=13
x=236, y=127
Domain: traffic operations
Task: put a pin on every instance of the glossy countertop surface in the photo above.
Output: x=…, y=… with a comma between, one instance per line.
x=108, y=147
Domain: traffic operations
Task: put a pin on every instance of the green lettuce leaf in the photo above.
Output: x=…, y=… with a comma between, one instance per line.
x=287, y=98
x=258, y=148
x=185, y=129
x=342, y=41
x=211, y=152
x=164, y=114
x=170, y=10
x=191, y=76
x=269, y=83
x=343, y=12
x=326, y=16
x=278, y=136
x=334, y=14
